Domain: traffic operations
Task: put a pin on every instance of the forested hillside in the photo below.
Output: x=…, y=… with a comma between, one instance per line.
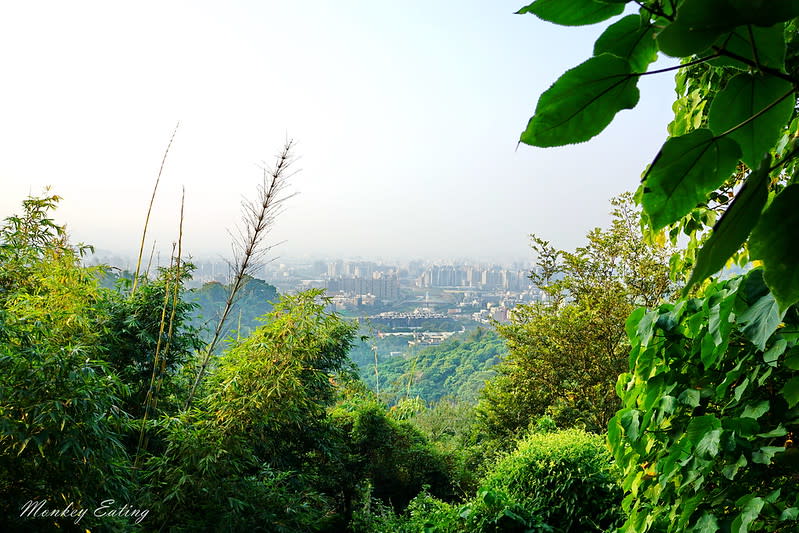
x=255, y=300
x=458, y=368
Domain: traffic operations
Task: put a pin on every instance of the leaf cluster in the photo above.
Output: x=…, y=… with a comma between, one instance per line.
x=730, y=159
x=705, y=435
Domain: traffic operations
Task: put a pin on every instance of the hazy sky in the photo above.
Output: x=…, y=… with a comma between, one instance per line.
x=406, y=115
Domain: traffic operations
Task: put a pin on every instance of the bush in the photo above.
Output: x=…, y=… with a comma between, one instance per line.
x=564, y=478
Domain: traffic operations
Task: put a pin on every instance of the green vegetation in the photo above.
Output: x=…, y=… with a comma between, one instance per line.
x=92, y=387
x=564, y=479
x=561, y=481
x=59, y=437
x=282, y=434
x=567, y=352
x=255, y=300
x=457, y=368
x=734, y=122
x=640, y=395
x=705, y=435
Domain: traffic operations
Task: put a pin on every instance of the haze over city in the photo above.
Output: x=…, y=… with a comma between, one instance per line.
x=406, y=118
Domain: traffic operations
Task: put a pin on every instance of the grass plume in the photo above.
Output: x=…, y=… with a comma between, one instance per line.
x=150, y=209
x=248, y=243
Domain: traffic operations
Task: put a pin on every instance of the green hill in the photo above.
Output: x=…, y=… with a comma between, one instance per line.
x=254, y=300
x=458, y=368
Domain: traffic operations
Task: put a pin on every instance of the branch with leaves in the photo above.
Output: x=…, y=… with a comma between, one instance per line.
x=742, y=111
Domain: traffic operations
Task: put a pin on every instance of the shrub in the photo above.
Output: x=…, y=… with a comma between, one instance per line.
x=564, y=478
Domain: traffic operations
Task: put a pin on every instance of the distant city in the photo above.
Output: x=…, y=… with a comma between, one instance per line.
x=400, y=298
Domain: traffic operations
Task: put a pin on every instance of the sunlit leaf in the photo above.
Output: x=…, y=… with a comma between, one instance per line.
x=582, y=102
x=684, y=172
x=774, y=241
x=572, y=12
x=630, y=38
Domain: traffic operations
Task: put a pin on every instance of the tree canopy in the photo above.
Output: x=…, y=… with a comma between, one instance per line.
x=567, y=351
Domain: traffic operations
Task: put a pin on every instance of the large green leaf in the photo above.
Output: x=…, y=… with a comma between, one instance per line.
x=706, y=524
x=700, y=426
x=582, y=102
x=750, y=290
x=761, y=46
x=685, y=170
x=765, y=454
x=756, y=410
x=750, y=509
x=632, y=39
x=630, y=420
x=790, y=391
x=761, y=12
x=760, y=321
x=700, y=22
x=747, y=96
x=774, y=241
x=573, y=12
x=731, y=231
x=792, y=358
x=708, y=445
x=743, y=426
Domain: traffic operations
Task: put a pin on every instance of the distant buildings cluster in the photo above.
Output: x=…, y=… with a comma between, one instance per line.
x=491, y=278
x=461, y=290
x=382, y=288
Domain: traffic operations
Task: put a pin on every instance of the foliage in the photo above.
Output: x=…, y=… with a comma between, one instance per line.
x=262, y=417
x=567, y=351
x=391, y=456
x=59, y=415
x=561, y=481
x=564, y=478
x=734, y=123
x=275, y=386
x=154, y=319
x=254, y=300
x=457, y=368
x=705, y=438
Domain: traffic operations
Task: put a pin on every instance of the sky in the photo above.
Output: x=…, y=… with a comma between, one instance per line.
x=406, y=117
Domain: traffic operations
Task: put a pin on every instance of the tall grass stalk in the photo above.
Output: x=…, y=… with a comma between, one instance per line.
x=248, y=243
x=150, y=261
x=148, y=398
x=159, y=360
x=150, y=209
